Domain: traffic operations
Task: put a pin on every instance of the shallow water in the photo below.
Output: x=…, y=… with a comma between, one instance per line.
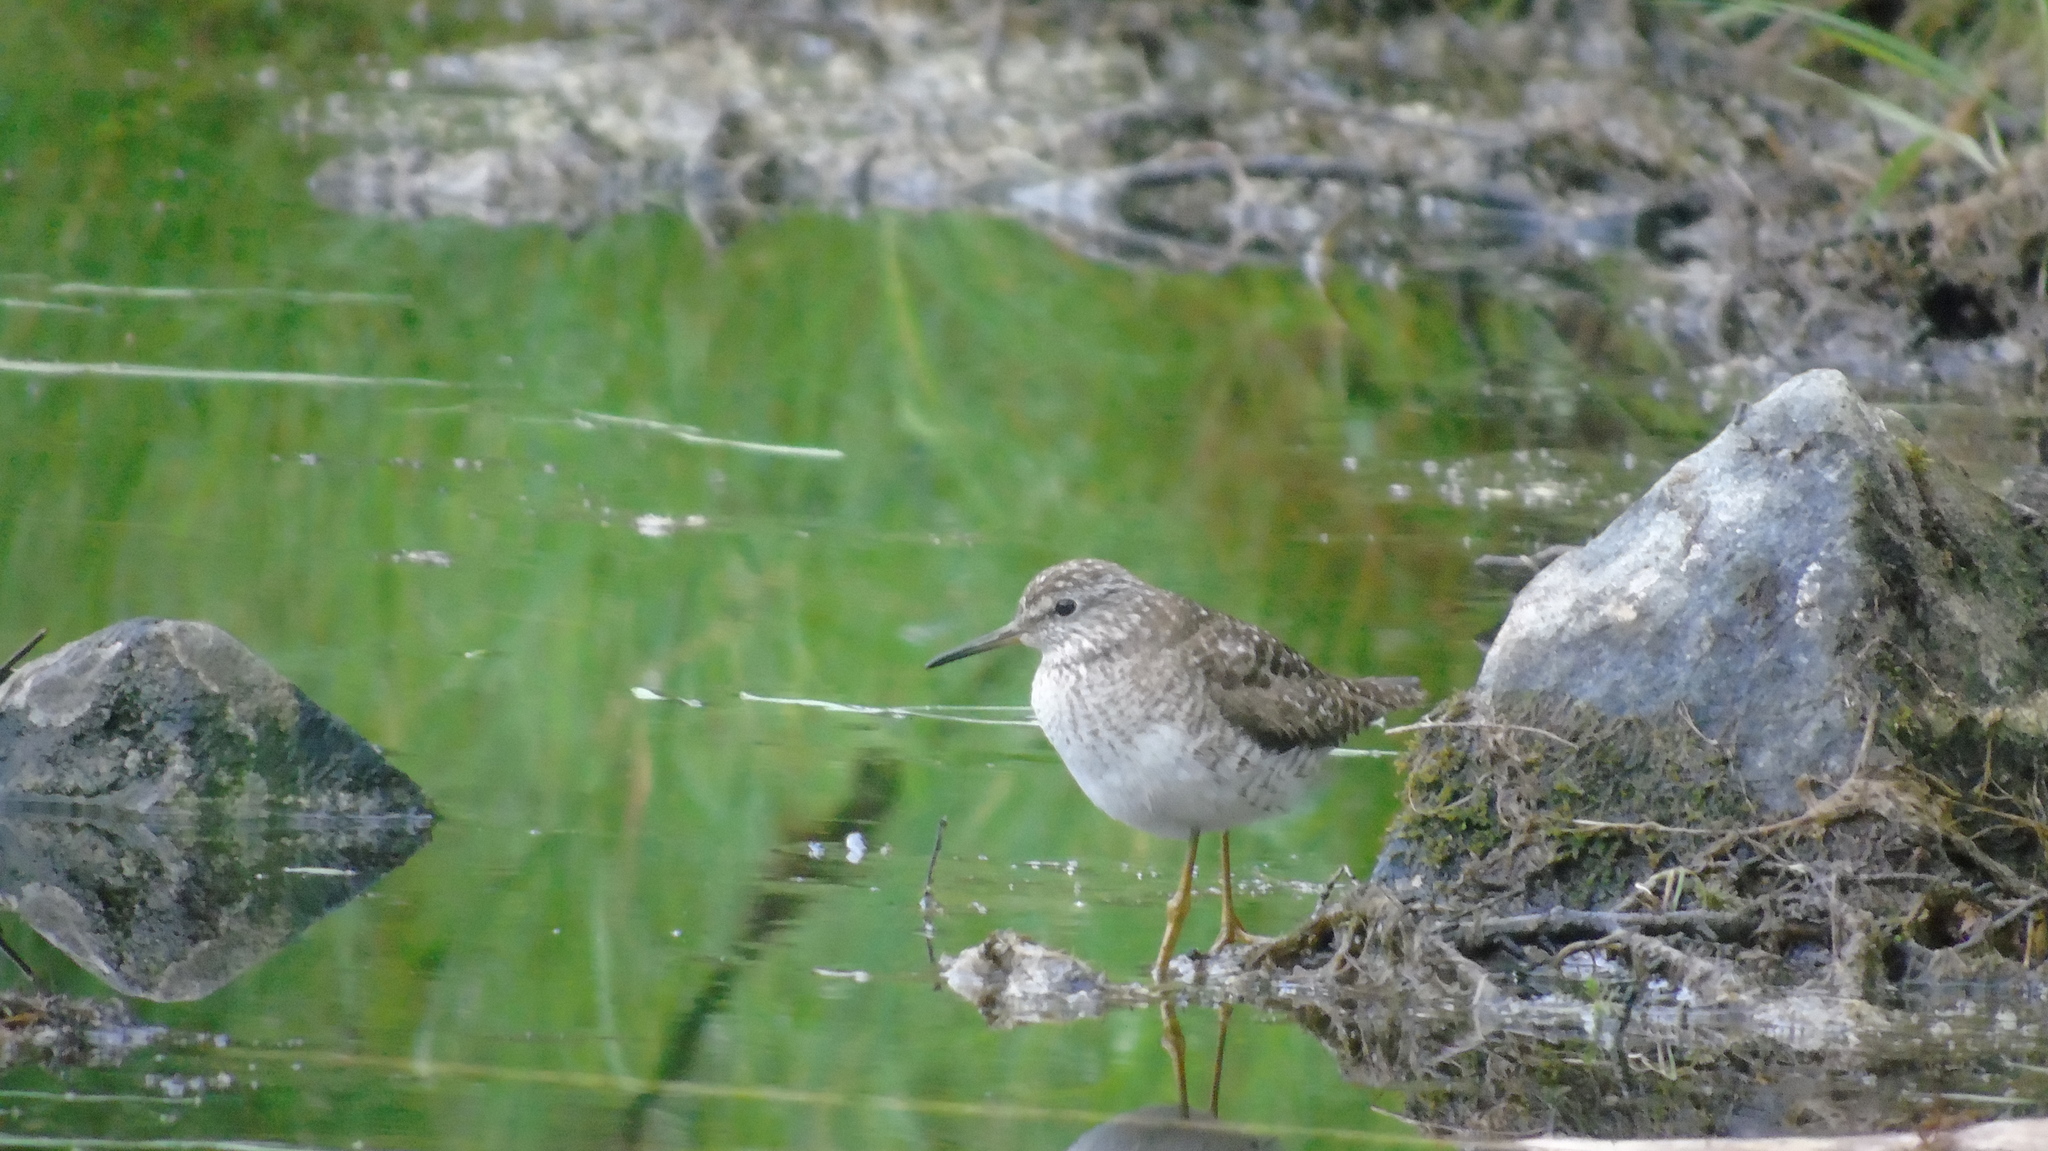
x=637, y=922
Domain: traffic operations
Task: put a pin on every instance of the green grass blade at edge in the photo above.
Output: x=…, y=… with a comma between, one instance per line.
x=1878, y=45
x=1919, y=125
x=1896, y=174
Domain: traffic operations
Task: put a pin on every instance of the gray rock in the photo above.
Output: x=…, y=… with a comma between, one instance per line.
x=1014, y=980
x=152, y=714
x=1809, y=568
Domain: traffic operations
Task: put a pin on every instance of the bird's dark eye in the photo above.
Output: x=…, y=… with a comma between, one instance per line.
x=1064, y=607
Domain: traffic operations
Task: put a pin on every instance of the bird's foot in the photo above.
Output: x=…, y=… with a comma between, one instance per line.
x=1239, y=938
x=1233, y=933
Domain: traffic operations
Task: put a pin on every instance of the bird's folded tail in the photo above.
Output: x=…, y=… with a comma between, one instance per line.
x=1391, y=692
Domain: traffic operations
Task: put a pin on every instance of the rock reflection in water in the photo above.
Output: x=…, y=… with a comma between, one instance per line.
x=1164, y=1128
x=1173, y=1127
x=175, y=909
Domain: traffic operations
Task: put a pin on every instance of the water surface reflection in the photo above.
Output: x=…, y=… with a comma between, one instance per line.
x=173, y=909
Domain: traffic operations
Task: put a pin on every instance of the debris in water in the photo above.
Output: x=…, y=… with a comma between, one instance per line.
x=690, y=435
x=993, y=714
x=424, y=557
x=1014, y=980
x=656, y=526
x=648, y=693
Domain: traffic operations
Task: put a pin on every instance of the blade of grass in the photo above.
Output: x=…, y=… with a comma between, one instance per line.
x=1994, y=140
x=1919, y=125
x=2041, y=7
x=1895, y=175
x=1881, y=46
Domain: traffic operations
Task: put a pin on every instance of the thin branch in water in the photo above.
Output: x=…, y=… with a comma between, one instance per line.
x=64, y=368
x=928, y=904
x=18, y=961
x=1343, y=872
x=2023, y=907
x=1863, y=749
x=21, y=653
x=690, y=435
x=1421, y=724
x=1571, y=949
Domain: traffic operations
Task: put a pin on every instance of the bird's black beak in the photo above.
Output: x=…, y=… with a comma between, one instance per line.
x=1003, y=636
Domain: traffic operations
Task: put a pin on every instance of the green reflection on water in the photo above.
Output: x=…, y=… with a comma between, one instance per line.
x=621, y=889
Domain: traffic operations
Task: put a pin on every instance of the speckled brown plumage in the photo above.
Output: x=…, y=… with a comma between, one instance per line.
x=1278, y=697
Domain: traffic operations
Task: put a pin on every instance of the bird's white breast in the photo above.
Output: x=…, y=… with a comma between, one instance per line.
x=1154, y=753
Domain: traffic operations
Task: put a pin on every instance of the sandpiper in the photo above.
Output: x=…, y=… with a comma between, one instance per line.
x=1176, y=719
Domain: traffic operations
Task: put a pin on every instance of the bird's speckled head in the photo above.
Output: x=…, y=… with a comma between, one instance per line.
x=1068, y=607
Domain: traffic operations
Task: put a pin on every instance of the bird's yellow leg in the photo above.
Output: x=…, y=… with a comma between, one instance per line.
x=1177, y=908
x=1176, y=1049
x=1233, y=927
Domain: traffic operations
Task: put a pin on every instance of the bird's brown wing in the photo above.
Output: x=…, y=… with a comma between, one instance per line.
x=1280, y=698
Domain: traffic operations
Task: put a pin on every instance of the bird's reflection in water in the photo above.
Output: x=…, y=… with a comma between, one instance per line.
x=1172, y=1127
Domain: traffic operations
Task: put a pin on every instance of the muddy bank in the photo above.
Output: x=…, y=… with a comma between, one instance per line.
x=1626, y=168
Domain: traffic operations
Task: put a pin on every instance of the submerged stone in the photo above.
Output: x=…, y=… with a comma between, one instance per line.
x=1166, y=1128
x=152, y=714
